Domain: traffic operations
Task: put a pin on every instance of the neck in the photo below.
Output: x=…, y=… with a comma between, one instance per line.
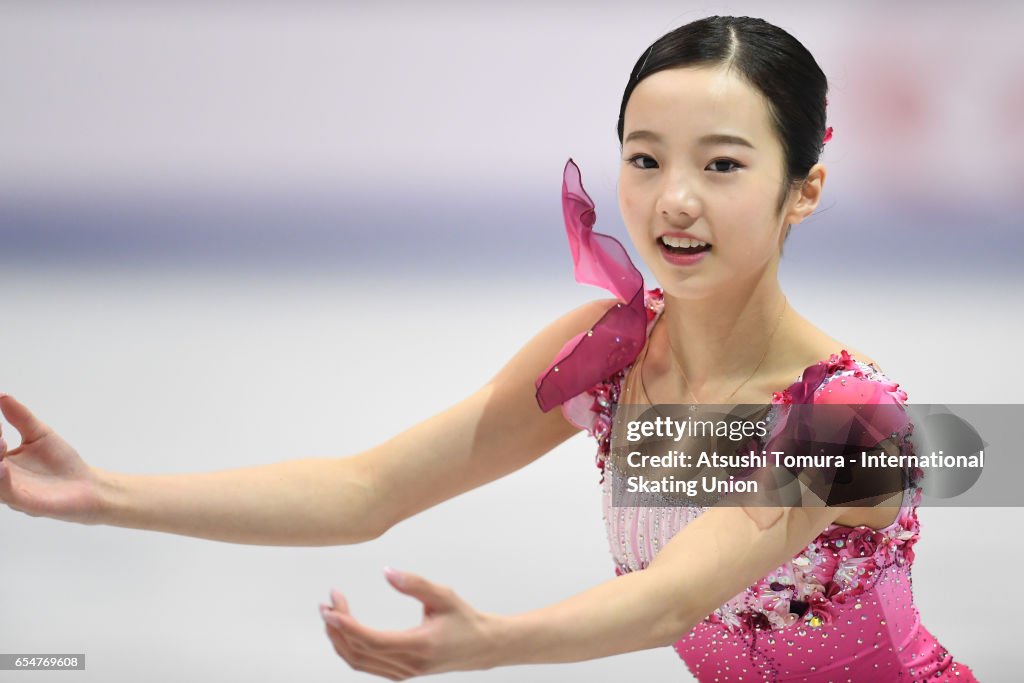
x=719, y=341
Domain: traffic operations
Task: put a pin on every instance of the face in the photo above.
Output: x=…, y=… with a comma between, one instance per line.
x=678, y=184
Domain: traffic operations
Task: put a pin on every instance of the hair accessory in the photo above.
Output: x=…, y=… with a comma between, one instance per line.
x=641, y=69
x=828, y=131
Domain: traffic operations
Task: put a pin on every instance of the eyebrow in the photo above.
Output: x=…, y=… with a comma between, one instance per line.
x=712, y=139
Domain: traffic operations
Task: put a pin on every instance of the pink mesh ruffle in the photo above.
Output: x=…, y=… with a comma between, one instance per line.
x=617, y=338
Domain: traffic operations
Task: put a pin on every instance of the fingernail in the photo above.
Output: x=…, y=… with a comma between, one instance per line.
x=394, y=575
x=336, y=596
x=331, y=618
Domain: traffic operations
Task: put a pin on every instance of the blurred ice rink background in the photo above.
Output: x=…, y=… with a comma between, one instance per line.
x=234, y=235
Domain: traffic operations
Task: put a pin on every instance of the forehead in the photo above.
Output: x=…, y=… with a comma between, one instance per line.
x=685, y=103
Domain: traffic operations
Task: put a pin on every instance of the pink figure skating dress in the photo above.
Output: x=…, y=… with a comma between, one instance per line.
x=842, y=609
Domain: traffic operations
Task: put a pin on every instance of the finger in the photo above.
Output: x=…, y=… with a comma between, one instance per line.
x=407, y=644
x=7, y=496
x=362, y=660
x=21, y=418
x=366, y=661
x=3, y=442
x=366, y=639
x=339, y=601
x=434, y=597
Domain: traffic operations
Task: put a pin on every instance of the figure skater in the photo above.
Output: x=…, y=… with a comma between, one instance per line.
x=721, y=127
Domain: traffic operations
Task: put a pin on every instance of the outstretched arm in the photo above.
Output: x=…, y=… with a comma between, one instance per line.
x=310, y=501
x=712, y=559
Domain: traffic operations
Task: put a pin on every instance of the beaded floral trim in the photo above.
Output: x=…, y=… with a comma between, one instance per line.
x=843, y=562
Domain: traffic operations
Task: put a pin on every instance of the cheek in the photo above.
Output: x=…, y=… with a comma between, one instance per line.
x=625, y=200
x=753, y=218
x=631, y=207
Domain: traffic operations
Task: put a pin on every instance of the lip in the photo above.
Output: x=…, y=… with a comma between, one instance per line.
x=682, y=259
x=682, y=235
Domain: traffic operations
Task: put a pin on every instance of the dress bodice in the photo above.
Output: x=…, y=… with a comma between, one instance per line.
x=846, y=595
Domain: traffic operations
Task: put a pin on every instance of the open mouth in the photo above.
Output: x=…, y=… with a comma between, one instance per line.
x=682, y=245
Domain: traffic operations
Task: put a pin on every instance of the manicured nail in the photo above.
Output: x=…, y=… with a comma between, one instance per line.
x=394, y=575
x=332, y=619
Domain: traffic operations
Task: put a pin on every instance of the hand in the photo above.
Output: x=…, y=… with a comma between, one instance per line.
x=452, y=637
x=45, y=476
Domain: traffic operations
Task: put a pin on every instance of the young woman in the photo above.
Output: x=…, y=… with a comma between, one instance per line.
x=721, y=127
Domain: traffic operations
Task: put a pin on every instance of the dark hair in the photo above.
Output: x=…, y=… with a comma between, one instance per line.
x=766, y=57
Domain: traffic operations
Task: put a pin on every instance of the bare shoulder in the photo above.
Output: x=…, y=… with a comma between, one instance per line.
x=816, y=345
x=538, y=352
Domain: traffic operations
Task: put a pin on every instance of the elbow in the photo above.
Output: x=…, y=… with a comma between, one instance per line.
x=671, y=628
x=369, y=526
x=655, y=613
x=352, y=534
x=369, y=512
x=674, y=621
x=672, y=611
x=380, y=515
x=377, y=529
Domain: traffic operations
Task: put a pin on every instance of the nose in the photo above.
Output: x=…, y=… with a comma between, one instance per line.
x=678, y=203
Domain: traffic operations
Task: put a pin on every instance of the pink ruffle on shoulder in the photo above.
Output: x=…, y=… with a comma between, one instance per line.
x=617, y=338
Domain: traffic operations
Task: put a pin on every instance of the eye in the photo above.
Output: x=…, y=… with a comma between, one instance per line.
x=636, y=157
x=633, y=159
x=727, y=161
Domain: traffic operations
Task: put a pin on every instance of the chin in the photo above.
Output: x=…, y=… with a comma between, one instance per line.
x=686, y=287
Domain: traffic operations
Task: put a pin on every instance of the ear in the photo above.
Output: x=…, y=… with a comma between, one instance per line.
x=807, y=196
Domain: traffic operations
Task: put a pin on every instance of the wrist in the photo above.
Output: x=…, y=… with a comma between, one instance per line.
x=500, y=632
x=108, y=489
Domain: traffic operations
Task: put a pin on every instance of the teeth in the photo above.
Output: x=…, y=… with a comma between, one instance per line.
x=682, y=242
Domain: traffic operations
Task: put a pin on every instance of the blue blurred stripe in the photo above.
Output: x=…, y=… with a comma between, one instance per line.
x=503, y=232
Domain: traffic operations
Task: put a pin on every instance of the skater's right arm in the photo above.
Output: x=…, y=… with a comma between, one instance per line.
x=311, y=501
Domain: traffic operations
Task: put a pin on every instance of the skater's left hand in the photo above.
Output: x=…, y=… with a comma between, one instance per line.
x=452, y=637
